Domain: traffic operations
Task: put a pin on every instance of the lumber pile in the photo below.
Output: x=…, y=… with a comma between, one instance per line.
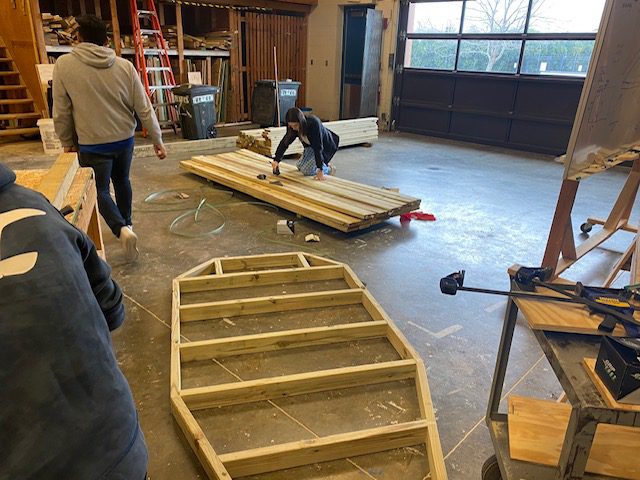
x=341, y=204
x=59, y=30
x=351, y=132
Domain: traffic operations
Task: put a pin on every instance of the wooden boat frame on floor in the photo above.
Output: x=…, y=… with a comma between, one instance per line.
x=341, y=204
x=282, y=269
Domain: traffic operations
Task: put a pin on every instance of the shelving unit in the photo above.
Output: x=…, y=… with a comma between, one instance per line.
x=253, y=28
x=129, y=51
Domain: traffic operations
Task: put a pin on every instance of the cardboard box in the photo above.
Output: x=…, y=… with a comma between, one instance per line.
x=618, y=366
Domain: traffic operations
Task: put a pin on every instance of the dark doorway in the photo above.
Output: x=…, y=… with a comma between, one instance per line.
x=361, y=44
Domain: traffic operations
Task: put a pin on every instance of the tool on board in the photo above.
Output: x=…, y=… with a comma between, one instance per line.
x=614, y=304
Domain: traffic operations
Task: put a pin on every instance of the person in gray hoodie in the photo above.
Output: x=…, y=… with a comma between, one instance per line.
x=95, y=97
x=66, y=409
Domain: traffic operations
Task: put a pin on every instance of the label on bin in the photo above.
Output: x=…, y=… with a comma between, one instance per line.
x=202, y=99
x=288, y=92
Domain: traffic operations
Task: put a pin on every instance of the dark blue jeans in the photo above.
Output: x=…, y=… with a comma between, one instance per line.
x=112, y=167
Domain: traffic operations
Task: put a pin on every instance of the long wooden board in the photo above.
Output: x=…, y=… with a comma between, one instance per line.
x=537, y=429
x=268, y=270
x=341, y=204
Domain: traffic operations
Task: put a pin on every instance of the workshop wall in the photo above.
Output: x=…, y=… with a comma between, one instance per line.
x=324, y=57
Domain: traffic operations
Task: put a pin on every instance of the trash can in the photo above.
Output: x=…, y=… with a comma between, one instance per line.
x=197, y=110
x=263, y=101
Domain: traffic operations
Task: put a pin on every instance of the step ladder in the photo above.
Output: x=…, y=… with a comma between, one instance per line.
x=153, y=62
x=18, y=113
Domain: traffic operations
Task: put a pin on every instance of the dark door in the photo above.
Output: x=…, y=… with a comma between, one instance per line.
x=370, y=80
x=361, y=45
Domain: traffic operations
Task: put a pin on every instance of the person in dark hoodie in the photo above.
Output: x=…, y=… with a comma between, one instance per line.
x=95, y=96
x=320, y=144
x=66, y=410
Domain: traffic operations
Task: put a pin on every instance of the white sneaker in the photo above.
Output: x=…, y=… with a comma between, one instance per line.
x=129, y=242
x=332, y=170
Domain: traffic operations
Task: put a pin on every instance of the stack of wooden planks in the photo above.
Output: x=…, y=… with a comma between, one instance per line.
x=351, y=132
x=341, y=204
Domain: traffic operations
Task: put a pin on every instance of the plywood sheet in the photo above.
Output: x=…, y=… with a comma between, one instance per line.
x=536, y=434
x=563, y=317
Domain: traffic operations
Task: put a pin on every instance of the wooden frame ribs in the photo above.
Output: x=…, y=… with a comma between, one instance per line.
x=238, y=273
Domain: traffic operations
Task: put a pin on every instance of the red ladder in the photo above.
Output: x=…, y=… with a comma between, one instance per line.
x=157, y=78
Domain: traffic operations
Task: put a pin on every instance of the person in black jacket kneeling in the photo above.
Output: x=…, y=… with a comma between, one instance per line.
x=320, y=144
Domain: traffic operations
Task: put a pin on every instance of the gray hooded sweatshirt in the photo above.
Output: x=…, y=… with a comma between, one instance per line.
x=95, y=95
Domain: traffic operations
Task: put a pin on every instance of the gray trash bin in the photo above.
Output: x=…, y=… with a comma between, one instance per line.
x=263, y=101
x=197, y=109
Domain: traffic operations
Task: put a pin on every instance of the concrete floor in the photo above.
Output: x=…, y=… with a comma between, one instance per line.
x=493, y=208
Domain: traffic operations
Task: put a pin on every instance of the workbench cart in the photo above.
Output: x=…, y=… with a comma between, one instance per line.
x=566, y=353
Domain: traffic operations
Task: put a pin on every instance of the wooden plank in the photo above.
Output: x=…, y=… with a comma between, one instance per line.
x=317, y=261
x=621, y=262
x=267, y=342
x=180, y=34
x=235, y=264
x=278, y=303
x=303, y=260
x=537, y=429
x=250, y=391
x=175, y=376
x=334, y=447
x=55, y=184
x=589, y=365
x=437, y=469
x=192, y=146
x=563, y=317
x=205, y=268
x=209, y=459
x=261, y=278
x=115, y=26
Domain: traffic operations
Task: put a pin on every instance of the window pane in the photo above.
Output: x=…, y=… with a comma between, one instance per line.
x=565, y=16
x=495, y=16
x=433, y=54
x=489, y=55
x=434, y=17
x=557, y=57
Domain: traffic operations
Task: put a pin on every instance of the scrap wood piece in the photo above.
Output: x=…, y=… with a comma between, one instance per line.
x=342, y=204
x=537, y=429
x=589, y=365
x=289, y=269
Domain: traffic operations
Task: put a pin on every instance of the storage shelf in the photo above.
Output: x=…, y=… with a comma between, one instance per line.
x=129, y=51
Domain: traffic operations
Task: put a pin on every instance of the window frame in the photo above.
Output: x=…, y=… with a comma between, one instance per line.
x=459, y=36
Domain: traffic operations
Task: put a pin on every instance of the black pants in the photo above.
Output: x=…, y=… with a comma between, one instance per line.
x=112, y=167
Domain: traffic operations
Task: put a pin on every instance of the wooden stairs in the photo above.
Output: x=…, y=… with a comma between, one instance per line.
x=18, y=114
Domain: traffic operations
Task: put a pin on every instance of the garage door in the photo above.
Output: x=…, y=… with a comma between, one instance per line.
x=500, y=72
